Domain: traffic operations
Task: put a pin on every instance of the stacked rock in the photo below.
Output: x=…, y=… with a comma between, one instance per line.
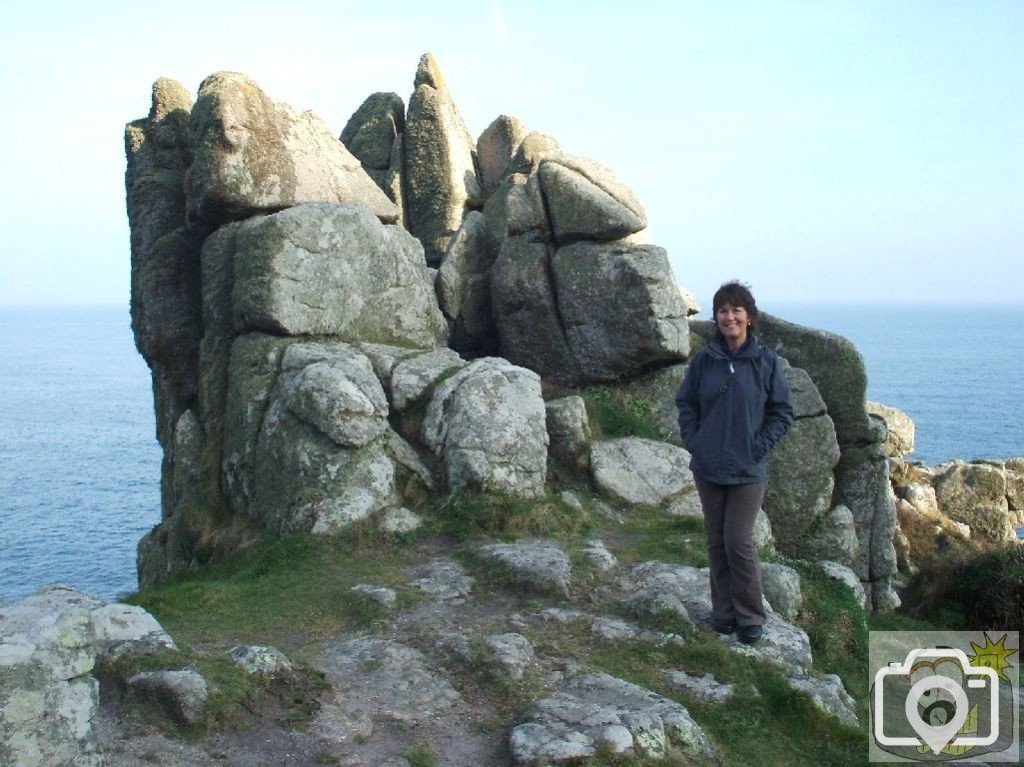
x=323, y=317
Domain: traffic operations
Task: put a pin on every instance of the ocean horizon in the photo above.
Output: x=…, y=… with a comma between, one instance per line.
x=80, y=464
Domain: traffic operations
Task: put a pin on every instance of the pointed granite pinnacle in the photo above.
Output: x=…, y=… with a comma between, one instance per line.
x=429, y=73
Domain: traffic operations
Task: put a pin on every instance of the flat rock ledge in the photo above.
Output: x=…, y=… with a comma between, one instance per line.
x=443, y=579
x=704, y=688
x=828, y=695
x=541, y=564
x=687, y=591
x=600, y=711
x=387, y=679
x=639, y=471
x=182, y=694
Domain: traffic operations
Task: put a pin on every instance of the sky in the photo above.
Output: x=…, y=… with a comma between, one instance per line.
x=838, y=151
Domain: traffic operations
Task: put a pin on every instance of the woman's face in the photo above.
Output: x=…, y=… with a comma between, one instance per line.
x=733, y=323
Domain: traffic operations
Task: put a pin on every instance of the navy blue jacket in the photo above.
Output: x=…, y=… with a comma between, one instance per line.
x=729, y=440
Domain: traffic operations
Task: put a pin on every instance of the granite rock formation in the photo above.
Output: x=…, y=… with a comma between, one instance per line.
x=305, y=356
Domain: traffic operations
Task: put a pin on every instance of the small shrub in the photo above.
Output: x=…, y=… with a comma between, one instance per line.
x=420, y=756
x=466, y=514
x=614, y=413
x=836, y=626
x=982, y=593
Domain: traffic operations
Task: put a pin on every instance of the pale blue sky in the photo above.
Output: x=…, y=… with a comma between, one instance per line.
x=836, y=151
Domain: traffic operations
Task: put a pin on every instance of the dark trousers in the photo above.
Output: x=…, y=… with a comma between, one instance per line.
x=729, y=515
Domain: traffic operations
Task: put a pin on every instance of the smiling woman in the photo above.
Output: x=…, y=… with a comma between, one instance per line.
x=734, y=406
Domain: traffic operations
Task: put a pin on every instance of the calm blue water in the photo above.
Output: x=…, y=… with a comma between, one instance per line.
x=80, y=466
x=79, y=461
x=955, y=370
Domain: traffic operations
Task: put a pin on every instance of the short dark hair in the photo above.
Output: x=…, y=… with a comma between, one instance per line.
x=735, y=293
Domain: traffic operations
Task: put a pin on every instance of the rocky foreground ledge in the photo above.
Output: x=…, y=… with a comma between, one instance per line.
x=535, y=616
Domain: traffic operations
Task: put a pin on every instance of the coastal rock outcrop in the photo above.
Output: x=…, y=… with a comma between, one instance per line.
x=306, y=359
x=50, y=644
x=165, y=286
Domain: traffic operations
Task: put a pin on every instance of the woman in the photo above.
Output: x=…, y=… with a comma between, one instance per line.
x=734, y=405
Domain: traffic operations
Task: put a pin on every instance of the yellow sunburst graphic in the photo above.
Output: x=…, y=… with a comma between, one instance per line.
x=993, y=655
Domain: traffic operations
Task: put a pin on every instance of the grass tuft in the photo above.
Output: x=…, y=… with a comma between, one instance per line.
x=420, y=755
x=465, y=515
x=614, y=413
x=985, y=591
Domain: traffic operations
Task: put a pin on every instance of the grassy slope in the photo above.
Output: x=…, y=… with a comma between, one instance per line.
x=296, y=593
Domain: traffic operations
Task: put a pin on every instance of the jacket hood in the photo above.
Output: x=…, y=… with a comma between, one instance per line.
x=717, y=349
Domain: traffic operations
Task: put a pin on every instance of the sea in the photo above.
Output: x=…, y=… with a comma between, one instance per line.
x=80, y=464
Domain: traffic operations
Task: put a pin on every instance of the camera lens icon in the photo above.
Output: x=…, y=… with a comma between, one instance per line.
x=937, y=705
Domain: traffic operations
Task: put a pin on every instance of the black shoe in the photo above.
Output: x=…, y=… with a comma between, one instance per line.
x=723, y=627
x=749, y=634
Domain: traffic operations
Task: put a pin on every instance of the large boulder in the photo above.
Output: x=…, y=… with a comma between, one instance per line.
x=975, y=494
x=487, y=424
x=371, y=131
x=835, y=366
x=48, y=696
x=464, y=287
x=305, y=437
x=517, y=207
x=495, y=148
x=900, y=439
x=641, y=471
x=621, y=307
x=526, y=312
x=585, y=201
x=800, y=481
x=411, y=379
x=320, y=269
x=252, y=155
x=49, y=645
x=320, y=459
x=599, y=711
x=332, y=388
x=440, y=180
